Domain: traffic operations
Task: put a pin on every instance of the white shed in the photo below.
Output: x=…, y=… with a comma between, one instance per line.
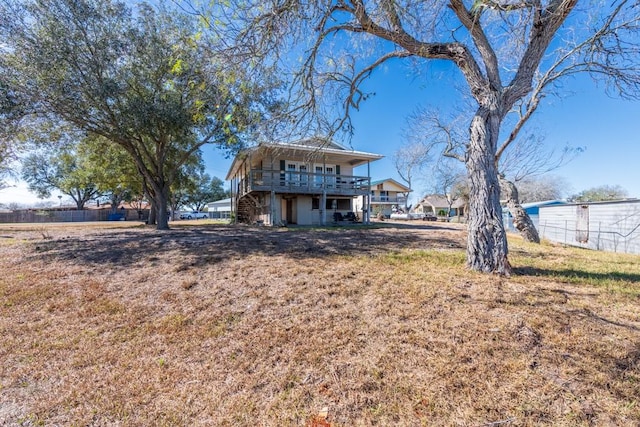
x=220, y=208
x=605, y=226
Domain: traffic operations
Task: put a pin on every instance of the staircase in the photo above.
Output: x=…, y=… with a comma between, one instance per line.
x=248, y=209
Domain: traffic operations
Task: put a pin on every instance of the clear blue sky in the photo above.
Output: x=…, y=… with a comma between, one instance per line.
x=584, y=116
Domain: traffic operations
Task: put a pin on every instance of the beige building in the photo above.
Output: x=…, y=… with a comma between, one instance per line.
x=306, y=183
x=386, y=196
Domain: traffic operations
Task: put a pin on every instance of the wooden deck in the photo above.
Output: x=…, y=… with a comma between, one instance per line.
x=304, y=183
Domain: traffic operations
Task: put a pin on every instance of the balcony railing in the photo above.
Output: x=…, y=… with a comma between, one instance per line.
x=304, y=182
x=400, y=200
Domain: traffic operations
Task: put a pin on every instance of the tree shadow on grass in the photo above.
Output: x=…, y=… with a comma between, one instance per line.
x=572, y=274
x=214, y=243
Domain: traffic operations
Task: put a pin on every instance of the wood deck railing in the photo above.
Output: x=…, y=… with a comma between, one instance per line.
x=389, y=199
x=304, y=183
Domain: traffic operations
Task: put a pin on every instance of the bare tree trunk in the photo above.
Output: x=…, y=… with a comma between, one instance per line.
x=521, y=219
x=487, y=241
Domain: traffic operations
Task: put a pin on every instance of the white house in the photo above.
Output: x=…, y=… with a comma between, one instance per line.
x=607, y=226
x=304, y=183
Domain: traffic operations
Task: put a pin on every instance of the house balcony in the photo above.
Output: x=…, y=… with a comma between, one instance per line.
x=392, y=200
x=304, y=183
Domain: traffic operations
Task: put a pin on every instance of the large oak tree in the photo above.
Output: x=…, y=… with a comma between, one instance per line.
x=143, y=79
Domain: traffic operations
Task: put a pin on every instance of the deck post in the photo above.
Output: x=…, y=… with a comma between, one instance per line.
x=323, y=206
x=272, y=207
x=367, y=200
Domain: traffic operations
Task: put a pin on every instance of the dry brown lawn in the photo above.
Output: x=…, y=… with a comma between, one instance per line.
x=236, y=326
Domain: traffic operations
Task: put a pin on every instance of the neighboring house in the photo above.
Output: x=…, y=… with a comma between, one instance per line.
x=438, y=205
x=304, y=183
x=532, y=209
x=386, y=196
x=606, y=226
x=219, y=208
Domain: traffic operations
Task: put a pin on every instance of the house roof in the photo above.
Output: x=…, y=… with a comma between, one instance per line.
x=606, y=202
x=403, y=187
x=543, y=203
x=440, y=201
x=314, y=147
x=223, y=202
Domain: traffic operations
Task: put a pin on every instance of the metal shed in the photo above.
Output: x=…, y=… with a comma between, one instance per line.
x=605, y=226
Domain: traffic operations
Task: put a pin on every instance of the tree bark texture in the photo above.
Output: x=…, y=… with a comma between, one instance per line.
x=521, y=220
x=486, y=242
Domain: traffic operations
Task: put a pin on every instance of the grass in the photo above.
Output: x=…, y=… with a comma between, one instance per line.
x=217, y=325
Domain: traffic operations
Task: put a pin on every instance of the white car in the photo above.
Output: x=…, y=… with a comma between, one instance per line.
x=194, y=215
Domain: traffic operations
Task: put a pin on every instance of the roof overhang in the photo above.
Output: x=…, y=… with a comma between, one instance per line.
x=310, y=153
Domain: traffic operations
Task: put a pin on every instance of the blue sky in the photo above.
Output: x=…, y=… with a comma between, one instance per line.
x=584, y=116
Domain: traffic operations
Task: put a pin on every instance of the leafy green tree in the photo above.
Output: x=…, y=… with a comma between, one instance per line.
x=204, y=190
x=510, y=54
x=184, y=183
x=113, y=169
x=600, y=194
x=60, y=169
x=10, y=112
x=147, y=81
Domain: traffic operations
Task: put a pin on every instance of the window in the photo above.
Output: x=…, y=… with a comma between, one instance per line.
x=315, y=203
x=340, y=204
x=291, y=173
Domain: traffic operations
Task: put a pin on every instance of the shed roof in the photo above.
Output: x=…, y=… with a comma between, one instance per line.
x=403, y=187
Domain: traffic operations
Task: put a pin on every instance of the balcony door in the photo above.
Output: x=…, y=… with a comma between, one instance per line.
x=304, y=175
x=292, y=175
x=326, y=175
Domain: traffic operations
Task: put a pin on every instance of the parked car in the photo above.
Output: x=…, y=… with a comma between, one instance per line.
x=429, y=217
x=194, y=215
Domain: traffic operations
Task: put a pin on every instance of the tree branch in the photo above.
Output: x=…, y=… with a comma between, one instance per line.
x=472, y=24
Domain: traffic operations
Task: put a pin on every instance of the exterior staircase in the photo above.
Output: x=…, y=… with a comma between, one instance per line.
x=248, y=208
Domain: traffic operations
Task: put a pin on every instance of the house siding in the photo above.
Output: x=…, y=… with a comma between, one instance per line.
x=612, y=227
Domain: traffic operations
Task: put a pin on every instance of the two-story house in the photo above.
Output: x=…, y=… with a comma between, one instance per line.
x=386, y=196
x=306, y=183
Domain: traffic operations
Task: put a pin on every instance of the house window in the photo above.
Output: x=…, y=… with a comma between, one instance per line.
x=384, y=196
x=340, y=204
x=315, y=203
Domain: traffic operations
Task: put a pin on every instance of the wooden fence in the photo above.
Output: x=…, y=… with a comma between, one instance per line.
x=47, y=215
